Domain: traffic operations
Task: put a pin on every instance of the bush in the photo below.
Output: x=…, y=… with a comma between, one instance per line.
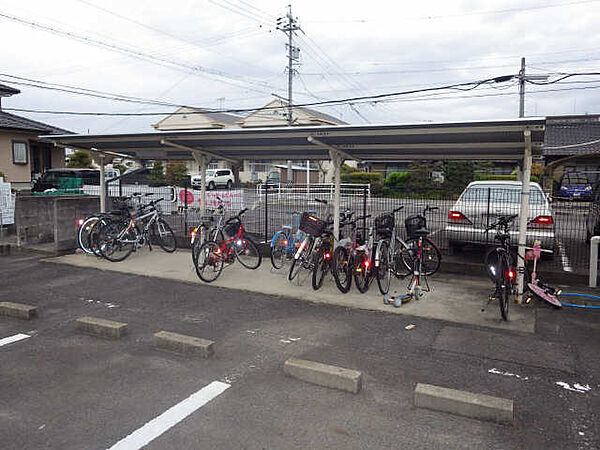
x=80, y=160
x=176, y=174
x=3, y=176
x=397, y=180
x=361, y=177
x=493, y=177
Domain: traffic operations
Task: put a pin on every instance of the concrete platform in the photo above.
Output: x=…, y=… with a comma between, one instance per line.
x=455, y=298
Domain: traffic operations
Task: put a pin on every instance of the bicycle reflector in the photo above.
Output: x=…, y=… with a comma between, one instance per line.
x=511, y=274
x=285, y=242
x=80, y=222
x=327, y=255
x=367, y=263
x=458, y=218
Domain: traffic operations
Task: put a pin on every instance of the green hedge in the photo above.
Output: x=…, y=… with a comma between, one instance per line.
x=511, y=177
x=397, y=179
x=362, y=177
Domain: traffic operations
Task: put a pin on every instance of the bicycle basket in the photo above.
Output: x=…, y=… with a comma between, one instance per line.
x=311, y=224
x=384, y=224
x=414, y=223
x=231, y=228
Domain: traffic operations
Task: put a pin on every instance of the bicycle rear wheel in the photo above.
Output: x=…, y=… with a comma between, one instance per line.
x=493, y=264
x=505, y=288
x=342, y=269
x=209, y=262
x=321, y=265
x=247, y=253
x=362, y=273
x=83, y=234
x=432, y=257
x=302, y=255
x=162, y=234
x=384, y=270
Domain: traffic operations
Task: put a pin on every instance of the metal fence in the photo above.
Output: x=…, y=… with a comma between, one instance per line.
x=457, y=225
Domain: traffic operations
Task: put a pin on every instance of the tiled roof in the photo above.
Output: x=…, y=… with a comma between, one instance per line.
x=4, y=89
x=322, y=116
x=569, y=130
x=11, y=122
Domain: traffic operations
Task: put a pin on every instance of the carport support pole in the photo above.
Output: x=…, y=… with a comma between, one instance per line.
x=202, y=162
x=336, y=162
x=524, y=216
x=102, y=185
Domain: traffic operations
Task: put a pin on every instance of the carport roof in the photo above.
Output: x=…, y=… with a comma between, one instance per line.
x=493, y=140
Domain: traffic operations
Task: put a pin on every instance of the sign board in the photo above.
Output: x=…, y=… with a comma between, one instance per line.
x=7, y=204
x=232, y=199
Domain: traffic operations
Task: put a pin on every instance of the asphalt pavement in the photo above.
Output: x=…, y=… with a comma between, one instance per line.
x=65, y=390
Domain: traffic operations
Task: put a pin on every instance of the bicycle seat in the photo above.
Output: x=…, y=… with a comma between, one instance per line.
x=421, y=232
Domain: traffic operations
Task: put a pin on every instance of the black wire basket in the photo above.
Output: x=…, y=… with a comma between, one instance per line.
x=311, y=224
x=414, y=223
x=384, y=224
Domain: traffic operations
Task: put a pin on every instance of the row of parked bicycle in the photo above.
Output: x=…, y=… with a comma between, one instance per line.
x=116, y=234
x=308, y=243
x=360, y=253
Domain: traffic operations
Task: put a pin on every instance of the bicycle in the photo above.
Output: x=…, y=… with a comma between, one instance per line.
x=432, y=255
x=353, y=259
x=213, y=255
x=500, y=265
x=206, y=230
x=389, y=256
x=322, y=259
x=284, y=243
x=419, y=257
x=117, y=240
x=86, y=226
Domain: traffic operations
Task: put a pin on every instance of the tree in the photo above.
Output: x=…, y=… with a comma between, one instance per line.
x=80, y=160
x=176, y=173
x=120, y=167
x=157, y=172
x=458, y=174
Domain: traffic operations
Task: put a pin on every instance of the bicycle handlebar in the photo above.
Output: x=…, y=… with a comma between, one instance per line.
x=399, y=208
x=318, y=200
x=502, y=220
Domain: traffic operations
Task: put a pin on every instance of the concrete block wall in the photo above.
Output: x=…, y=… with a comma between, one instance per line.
x=52, y=219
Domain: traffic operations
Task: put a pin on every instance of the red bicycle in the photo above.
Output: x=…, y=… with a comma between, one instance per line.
x=213, y=255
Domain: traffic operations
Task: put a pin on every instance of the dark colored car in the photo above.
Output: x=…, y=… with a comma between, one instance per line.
x=50, y=179
x=575, y=186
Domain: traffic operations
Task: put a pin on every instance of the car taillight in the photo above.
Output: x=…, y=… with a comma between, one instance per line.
x=458, y=218
x=541, y=222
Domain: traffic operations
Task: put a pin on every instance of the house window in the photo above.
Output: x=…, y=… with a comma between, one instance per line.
x=19, y=150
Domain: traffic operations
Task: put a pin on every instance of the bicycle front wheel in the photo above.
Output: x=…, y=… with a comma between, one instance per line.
x=247, y=253
x=209, y=262
x=303, y=253
x=162, y=234
x=342, y=269
x=114, y=243
x=384, y=269
x=279, y=250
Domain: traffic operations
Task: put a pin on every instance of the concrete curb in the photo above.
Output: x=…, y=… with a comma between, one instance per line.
x=462, y=403
x=18, y=310
x=180, y=343
x=324, y=375
x=101, y=327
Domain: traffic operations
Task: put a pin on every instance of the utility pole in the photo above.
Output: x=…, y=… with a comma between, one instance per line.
x=522, y=89
x=289, y=25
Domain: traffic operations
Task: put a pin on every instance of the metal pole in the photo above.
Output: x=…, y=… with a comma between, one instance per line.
x=524, y=215
x=102, y=185
x=365, y=211
x=185, y=208
x=594, y=261
x=266, y=213
x=336, y=161
x=203, y=164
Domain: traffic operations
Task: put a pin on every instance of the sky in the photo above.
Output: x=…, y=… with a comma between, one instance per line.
x=228, y=54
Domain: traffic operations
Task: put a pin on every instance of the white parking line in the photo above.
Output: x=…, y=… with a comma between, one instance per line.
x=15, y=338
x=171, y=417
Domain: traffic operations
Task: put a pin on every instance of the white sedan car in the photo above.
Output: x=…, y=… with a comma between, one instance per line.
x=482, y=202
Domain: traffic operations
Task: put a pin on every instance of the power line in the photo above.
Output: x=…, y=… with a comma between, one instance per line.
x=210, y=73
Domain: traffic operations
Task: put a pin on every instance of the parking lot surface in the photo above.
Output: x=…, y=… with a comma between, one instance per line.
x=64, y=390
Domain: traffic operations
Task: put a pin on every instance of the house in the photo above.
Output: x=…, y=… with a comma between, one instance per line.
x=273, y=114
x=23, y=157
x=567, y=132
